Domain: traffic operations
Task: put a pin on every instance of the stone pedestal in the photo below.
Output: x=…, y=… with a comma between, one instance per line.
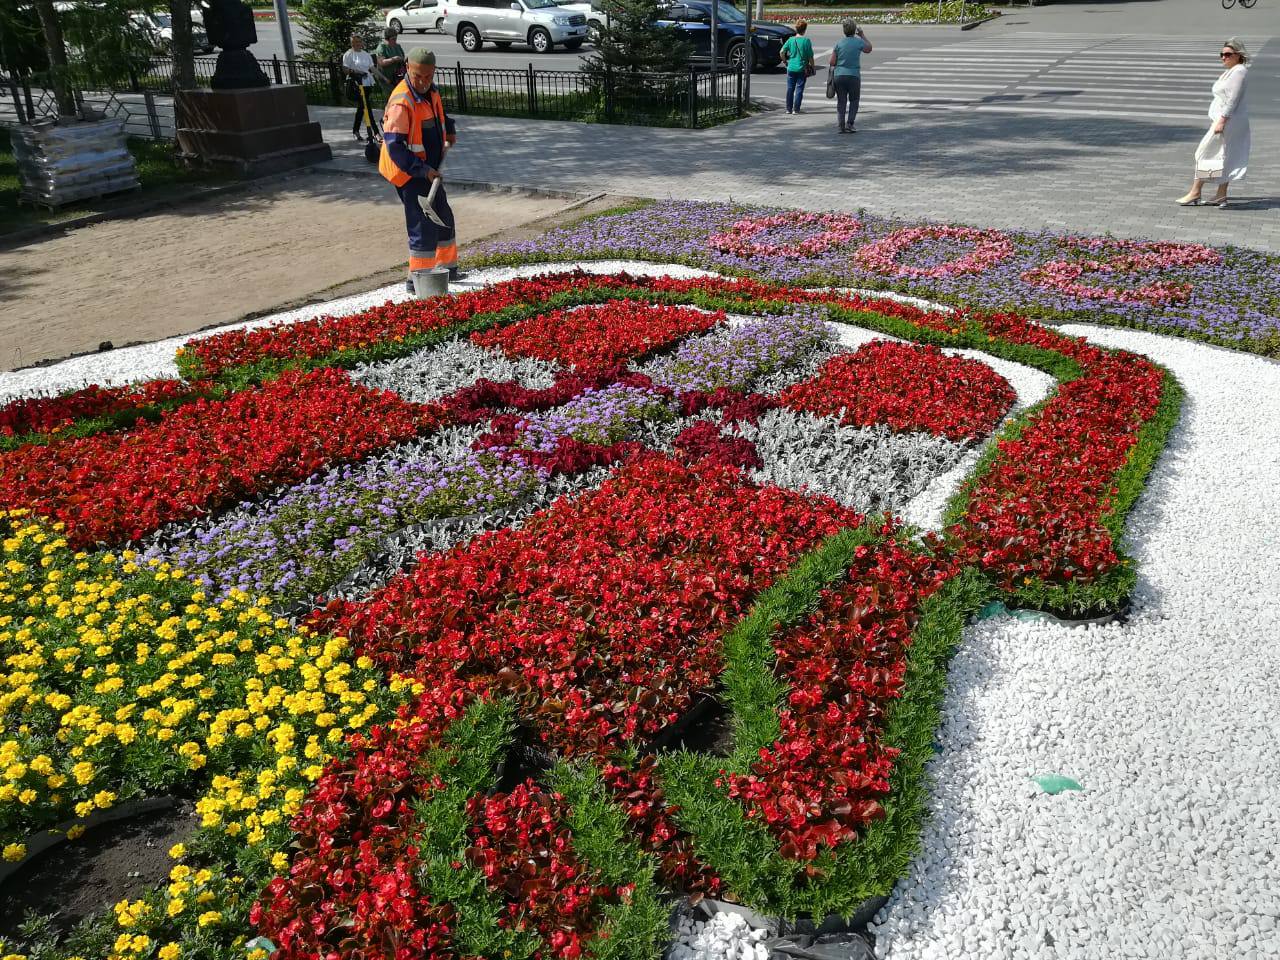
x=253, y=131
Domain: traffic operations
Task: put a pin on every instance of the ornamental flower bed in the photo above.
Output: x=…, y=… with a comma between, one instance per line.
x=498, y=747
x=1228, y=296
x=118, y=487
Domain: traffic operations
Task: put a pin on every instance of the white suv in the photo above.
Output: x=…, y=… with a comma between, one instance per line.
x=420, y=15
x=539, y=23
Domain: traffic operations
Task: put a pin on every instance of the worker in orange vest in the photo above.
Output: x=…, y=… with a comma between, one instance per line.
x=415, y=133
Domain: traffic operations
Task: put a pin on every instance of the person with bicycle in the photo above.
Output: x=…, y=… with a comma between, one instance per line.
x=1228, y=4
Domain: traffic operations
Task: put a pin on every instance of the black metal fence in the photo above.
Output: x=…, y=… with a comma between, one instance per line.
x=696, y=98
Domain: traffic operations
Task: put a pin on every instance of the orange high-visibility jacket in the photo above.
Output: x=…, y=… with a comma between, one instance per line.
x=414, y=131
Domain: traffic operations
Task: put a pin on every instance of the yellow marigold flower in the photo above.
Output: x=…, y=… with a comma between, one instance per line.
x=103, y=799
x=175, y=907
x=178, y=851
x=180, y=872
x=14, y=852
x=75, y=832
x=83, y=772
x=209, y=918
x=279, y=862
x=170, y=951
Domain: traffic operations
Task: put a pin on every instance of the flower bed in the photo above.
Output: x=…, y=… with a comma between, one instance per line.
x=465, y=762
x=906, y=388
x=1227, y=296
x=113, y=488
x=594, y=338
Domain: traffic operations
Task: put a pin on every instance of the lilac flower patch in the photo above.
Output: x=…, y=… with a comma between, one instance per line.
x=302, y=541
x=739, y=356
x=1232, y=298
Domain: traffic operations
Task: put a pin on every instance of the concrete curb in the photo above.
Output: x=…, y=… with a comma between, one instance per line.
x=977, y=23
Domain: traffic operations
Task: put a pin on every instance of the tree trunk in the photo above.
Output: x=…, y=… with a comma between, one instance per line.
x=57, y=52
x=184, y=66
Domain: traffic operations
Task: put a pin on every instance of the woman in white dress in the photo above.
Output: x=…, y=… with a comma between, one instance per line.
x=1230, y=115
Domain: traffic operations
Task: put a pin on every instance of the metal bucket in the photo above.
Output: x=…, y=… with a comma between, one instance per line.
x=431, y=283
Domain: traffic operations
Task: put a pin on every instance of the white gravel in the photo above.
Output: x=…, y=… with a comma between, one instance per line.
x=150, y=361
x=724, y=936
x=1171, y=723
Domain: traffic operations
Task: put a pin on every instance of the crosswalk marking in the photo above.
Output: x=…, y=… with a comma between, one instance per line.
x=1147, y=78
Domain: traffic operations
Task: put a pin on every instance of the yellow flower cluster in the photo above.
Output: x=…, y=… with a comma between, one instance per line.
x=121, y=677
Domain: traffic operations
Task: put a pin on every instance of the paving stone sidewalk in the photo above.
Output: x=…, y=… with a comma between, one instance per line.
x=1088, y=174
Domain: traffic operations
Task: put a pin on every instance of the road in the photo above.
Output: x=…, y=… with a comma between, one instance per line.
x=1126, y=63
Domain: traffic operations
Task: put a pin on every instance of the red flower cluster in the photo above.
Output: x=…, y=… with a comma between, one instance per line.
x=51, y=414
x=520, y=844
x=389, y=322
x=1038, y=510
x=598, y=336
x=824, y=777
x=115, y=487
x=704, y=443
x=352, y=882
x=907, y=387
x=637, y=790
x=601, y=615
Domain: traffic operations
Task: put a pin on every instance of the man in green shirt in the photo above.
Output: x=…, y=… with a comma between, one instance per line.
x=390, y=58
x=798, y=51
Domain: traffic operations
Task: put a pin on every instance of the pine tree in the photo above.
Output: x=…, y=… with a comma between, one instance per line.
x=330, y=24
x=634, y=43
x=638, y=69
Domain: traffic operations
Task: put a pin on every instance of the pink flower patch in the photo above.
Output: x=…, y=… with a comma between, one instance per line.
x=833, y=230
x=989, y=248
x=1122, y=258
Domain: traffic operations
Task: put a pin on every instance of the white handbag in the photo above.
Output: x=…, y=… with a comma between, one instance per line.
x=1209, y=157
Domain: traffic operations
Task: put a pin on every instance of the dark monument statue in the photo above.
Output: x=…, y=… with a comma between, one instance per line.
x=244, y=122
x=229, y=24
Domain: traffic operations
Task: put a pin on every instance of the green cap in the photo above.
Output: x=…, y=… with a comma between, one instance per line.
x=422, y=57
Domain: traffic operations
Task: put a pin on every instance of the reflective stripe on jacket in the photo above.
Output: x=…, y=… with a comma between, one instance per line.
x=413, y=134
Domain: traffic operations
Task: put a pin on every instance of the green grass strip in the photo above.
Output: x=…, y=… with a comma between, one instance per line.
x=743, y=852
x=638, y=927
x=466, y=761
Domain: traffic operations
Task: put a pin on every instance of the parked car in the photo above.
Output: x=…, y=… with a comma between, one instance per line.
x=541, y=24
x=694, y=18
x=158, y=28
x=419, y=15
x=597, y=16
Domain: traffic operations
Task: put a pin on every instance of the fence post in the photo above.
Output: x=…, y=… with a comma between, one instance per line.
x=335, y=88
x=742, y=70
x=462, y=88
x=533, y=93
x=275, y=68
x=153, y=119
x=693, y=99
x=26, y=94
x=17, y=100
x=608, y=93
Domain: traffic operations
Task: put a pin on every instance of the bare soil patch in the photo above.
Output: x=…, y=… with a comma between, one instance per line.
x=178, y=270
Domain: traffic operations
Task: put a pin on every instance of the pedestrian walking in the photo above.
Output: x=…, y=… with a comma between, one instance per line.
x=846, y=64
x=416, y=132
x=1223, y=154
x=390, y=58
x=798, y=52
x=357, y=64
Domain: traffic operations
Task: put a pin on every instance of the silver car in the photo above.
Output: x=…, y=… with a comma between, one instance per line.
x=542, y=24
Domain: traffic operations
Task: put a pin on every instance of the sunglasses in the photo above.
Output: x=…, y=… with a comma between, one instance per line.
x=1227, y=53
